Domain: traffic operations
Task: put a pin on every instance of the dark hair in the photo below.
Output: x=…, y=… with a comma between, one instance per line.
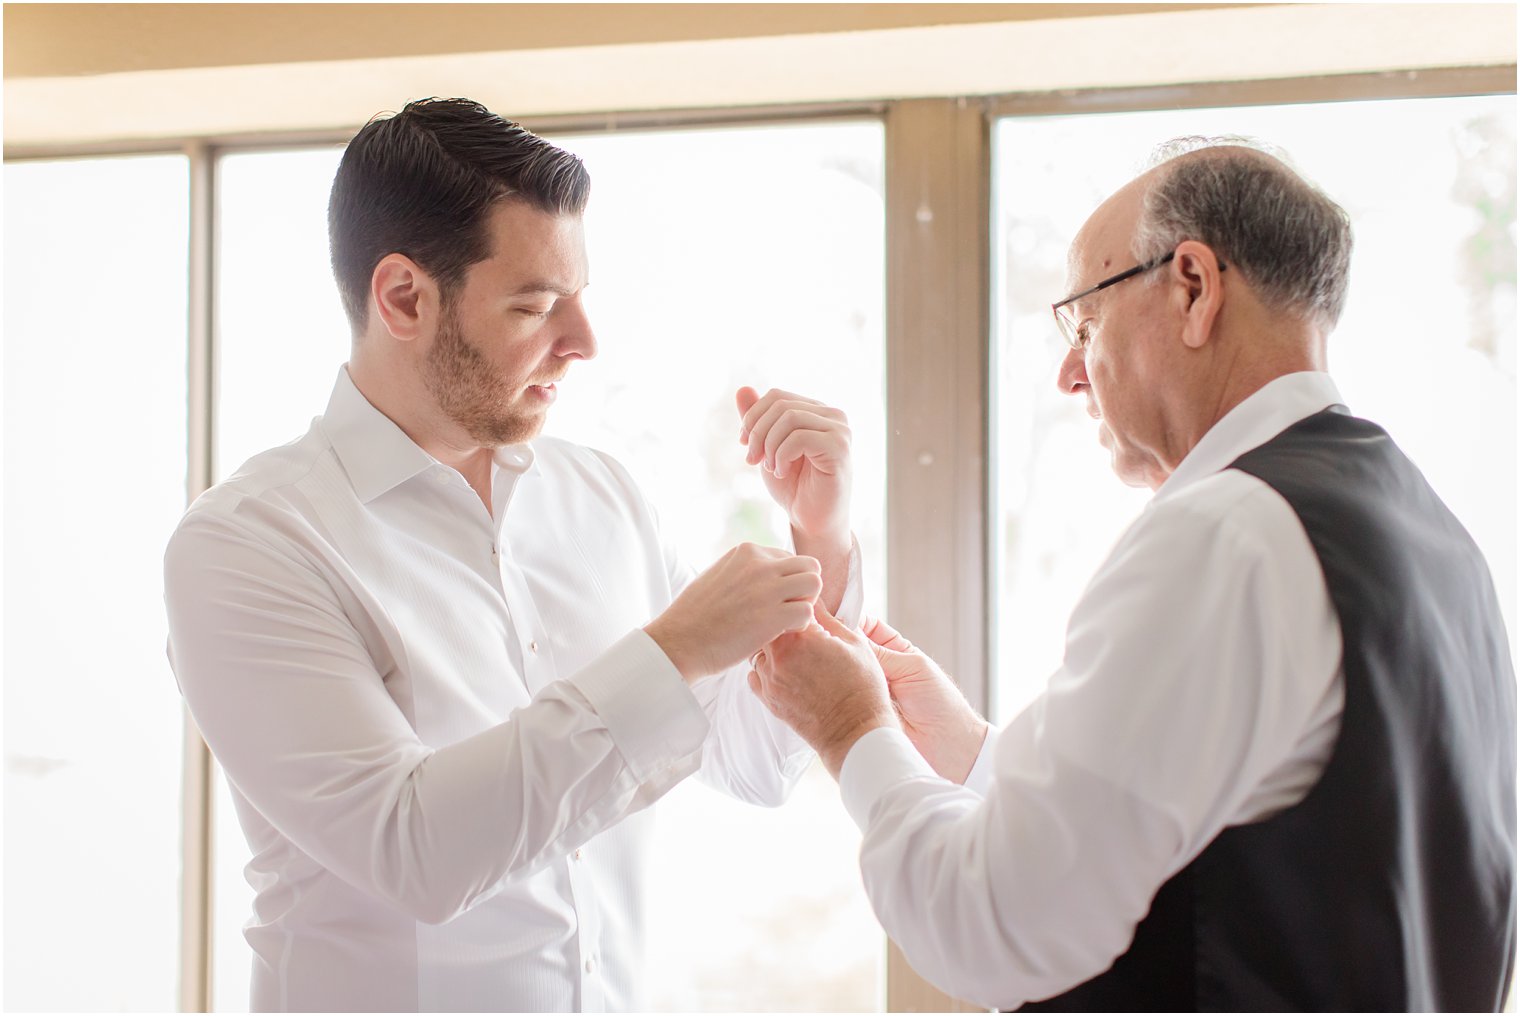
x=422, y=182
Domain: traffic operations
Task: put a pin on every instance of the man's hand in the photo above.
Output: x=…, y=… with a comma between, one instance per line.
x=935, y=715
x=803, y=447
x=750, y=596
x=824, y=682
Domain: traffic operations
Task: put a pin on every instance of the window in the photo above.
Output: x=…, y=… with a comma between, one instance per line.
x=720, y=257
x=95, y=437
x=1426, y=346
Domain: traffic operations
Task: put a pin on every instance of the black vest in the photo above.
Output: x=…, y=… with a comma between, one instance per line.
x=1391, y=885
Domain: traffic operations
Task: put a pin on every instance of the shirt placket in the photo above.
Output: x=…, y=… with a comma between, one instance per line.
x=588, y=933
x=538, y=670
x=531, y=642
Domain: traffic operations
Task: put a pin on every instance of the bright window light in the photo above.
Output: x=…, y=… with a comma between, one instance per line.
x=95, y=432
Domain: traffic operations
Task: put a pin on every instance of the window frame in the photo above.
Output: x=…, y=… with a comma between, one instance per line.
x=941, y=578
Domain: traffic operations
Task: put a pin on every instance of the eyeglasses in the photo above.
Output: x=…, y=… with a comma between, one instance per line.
x=1067, y=322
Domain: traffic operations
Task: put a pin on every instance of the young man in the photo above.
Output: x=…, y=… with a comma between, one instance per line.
x=447, y=664
x=1276, y=769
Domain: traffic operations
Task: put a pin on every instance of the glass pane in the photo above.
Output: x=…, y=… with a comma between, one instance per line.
x=281, y=333
x=795, y=301
x=281, y=338
x=95, y=437
x=1426, y=346
x=721, y=258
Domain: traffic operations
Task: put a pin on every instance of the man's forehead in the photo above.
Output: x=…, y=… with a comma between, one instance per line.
x=1091, y=256
x=535, y=247
x=1104, y=239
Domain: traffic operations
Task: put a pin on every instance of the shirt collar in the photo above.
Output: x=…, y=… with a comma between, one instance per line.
x=1263, y=415
x=378, y=456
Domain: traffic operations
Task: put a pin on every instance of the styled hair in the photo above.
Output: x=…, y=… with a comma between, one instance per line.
x=422, y=183
x=1244, y=199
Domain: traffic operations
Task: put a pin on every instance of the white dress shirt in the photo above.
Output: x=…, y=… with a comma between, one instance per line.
x=1200, y=688
x=443, y=727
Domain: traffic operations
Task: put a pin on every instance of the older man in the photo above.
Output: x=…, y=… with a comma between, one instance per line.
x=1276, y=769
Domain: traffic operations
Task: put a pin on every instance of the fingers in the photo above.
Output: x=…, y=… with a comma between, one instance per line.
x=884, y=635
x=785, y=417
x=761, y=417
x=800, y=564
x=759, y=405
x=745, y=397
x=785, y=562
x=824, y=450
x=803, y=586
x=797, y=615
x=831, y=624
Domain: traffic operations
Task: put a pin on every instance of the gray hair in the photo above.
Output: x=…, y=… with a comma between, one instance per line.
x=1245, y=200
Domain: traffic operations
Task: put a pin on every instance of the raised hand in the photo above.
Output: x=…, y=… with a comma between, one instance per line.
x=803, y=448
x=748, y=597
x=935, y=715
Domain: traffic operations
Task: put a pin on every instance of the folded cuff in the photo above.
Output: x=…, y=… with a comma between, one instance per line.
x=653, y=717
x=852, y=601
x=979, y=778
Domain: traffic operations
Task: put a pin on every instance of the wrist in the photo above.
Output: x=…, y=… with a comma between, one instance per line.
x=832, y=551
x=970, y=750
x=676, y=647
x=837, y=750
x=830, y=545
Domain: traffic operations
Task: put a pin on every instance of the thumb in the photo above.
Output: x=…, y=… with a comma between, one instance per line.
x=832, y=624
x=883, y=634
x=890, y=659
x=746, y=397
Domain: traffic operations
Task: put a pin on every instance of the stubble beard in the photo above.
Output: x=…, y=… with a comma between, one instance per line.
x=468, y=391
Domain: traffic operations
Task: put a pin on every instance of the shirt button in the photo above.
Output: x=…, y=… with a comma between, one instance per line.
x=533, y=647
x=442, y=476
x=576, y=855
x=590, y=965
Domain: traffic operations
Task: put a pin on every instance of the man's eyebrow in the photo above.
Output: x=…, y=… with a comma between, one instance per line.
x=541, y=286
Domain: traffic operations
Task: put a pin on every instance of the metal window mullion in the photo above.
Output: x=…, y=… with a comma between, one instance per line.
x=938, y=311
x=195, y=886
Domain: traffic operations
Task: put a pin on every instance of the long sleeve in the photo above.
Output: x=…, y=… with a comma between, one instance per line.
x=290, y=701
x=1199, y=689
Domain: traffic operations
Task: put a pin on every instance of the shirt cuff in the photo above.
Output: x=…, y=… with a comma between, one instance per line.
x=979, y=779
x=653, y=717
x=853, y=601
x=880, y=760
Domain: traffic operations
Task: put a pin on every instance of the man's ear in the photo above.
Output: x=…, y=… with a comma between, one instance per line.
x=405, y=297
x=1197, y=290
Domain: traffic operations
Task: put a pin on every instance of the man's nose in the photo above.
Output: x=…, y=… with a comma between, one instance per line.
x=1072, y=377
x=578, y=339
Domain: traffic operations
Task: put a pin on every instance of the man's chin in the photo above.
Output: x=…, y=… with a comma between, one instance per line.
x=1125, y=467
x=515, y=429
